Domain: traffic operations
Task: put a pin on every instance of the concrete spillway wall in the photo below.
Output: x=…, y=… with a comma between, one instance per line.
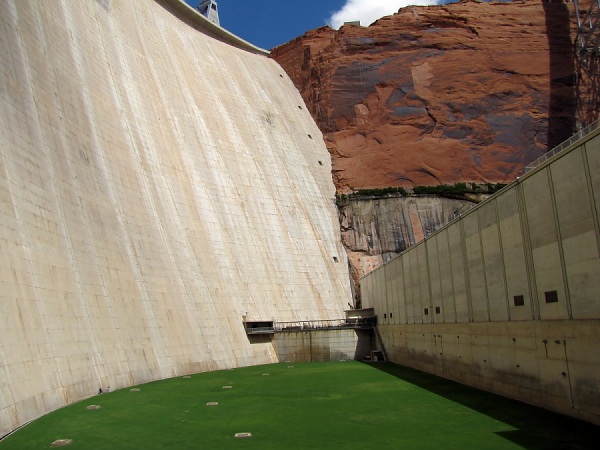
x=158, y=182
x=507, y=298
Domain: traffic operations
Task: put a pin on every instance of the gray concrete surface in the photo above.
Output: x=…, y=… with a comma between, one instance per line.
x=507, y=297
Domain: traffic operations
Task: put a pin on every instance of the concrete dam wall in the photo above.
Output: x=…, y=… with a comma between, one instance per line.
x=507, y=298
x=159, y=182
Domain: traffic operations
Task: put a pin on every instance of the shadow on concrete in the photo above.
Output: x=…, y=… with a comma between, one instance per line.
x=536, y=428
x=562, y=102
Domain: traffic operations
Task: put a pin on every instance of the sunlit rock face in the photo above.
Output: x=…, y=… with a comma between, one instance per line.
x=157, y=187
x=467, y=91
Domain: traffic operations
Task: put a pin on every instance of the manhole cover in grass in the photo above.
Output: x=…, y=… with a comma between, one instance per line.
x=226, y=387
x=212, y=403
x=265, y=374
x=134, y=390
x=62, y=442
x=93, y=407
x=243, y=435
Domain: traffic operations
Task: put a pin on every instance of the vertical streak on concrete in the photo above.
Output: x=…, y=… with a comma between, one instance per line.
x=461, y=227
x=505, y=284
x=485, y=283
x=591, y=194
x=447, y=241
x=533, y=297
x=439, y=271
x=559, y=243
x=427, y=262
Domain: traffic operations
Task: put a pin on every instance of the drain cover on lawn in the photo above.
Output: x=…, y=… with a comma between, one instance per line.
x=93, y=407
x=61, y=442
x=134, y=390
x=212, y=403
x=243, y=435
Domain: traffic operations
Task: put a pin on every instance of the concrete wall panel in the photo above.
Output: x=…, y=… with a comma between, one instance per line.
x=533, y=252
x=445, y=274
x=475, y=263
x=435, y=287
x=543, y=233
x=460, y=273
x=513, y=249
x=493, y=260
x=577, y=233
x=422, y=286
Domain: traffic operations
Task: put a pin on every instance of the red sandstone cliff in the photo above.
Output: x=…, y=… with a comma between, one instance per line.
x=462, y=92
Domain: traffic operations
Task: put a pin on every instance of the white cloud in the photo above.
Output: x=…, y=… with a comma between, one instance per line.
x=368, y=11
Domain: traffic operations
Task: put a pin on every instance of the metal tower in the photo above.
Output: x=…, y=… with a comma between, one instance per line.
x=587, y=59
x=208, y=8
x=588, y=33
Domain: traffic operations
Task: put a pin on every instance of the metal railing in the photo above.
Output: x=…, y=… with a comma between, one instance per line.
x=559, y=148
x=310, y=325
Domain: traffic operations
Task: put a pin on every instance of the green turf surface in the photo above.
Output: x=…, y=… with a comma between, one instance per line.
x=309, y=406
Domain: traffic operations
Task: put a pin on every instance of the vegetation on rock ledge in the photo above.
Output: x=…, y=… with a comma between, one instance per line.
x=457, y=190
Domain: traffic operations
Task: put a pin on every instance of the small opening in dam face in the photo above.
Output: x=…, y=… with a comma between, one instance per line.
x=335, y=259
x=519, y=300
x=551, y=296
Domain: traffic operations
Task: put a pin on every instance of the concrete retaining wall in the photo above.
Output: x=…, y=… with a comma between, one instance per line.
x=156, y=186
x=329, y=345
x=500, y=285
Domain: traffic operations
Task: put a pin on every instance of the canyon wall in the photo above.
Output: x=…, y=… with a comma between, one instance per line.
x=467, y=91
x=160, y=181
x=376, y=230
x=463, y=92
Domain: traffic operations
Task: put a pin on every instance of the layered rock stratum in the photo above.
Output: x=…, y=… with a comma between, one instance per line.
x=467, y=91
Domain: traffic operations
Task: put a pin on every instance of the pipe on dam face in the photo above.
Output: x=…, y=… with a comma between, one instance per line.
x=156, y=185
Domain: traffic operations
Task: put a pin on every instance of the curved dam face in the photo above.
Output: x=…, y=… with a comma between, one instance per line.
x=157, y=185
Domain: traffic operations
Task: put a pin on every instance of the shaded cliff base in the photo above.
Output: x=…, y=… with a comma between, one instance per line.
x=376, y=230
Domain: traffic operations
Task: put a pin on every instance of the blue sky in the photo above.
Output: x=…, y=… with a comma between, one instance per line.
x=268, y=23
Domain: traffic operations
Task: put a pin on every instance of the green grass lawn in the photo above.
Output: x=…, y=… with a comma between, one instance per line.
x=334, y=405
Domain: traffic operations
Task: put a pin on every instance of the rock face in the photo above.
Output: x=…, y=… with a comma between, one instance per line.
x=461, y=92
x=375, y=230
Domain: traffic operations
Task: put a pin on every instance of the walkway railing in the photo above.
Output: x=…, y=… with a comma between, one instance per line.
x=311, y=325
x=559, y=148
